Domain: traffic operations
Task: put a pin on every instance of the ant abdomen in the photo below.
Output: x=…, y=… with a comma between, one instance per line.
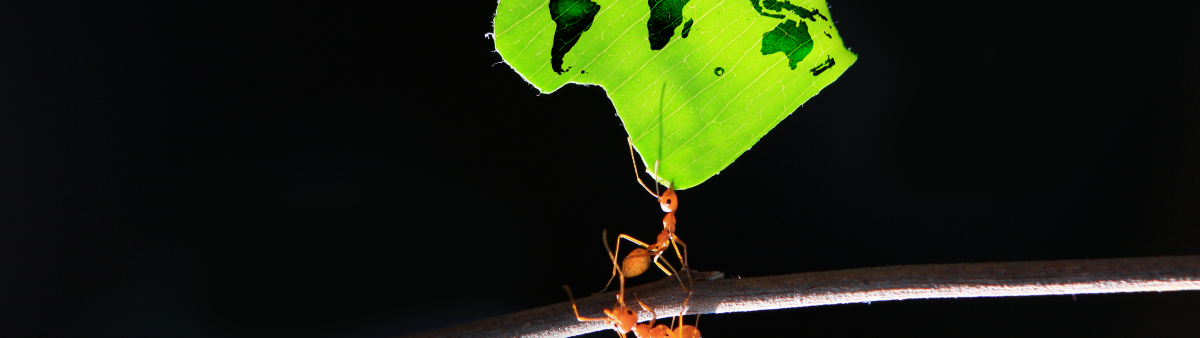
x=637, y=262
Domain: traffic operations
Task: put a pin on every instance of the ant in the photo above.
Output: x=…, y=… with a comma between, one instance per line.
x=649, y=330
x=638, y=260
x=622, y=318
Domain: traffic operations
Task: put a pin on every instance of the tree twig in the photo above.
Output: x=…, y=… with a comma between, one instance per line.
x=714, y=294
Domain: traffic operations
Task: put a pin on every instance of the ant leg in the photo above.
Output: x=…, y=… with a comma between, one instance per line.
x=646, y=261
x=683, y=308
x=657, y=254
x=682, y=258
x=573, y=307
x=668, y=266
x=653, y=315
x=684, y=330
x=639, y=259
x=635, y=241
x=668, y=269
x=613, y=257
x=613, y=254
x=635, y=168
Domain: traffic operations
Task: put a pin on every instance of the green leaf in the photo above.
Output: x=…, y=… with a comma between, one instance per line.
x=696, y=83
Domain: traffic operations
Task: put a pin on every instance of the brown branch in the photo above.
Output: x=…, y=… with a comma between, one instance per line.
x=714, y=294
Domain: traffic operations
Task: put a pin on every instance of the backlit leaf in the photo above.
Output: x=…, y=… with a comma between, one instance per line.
x=696, y=83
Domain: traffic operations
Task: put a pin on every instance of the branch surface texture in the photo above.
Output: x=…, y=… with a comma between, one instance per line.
x=715, y=294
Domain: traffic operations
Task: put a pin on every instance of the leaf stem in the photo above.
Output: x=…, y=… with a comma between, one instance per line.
x=714, y=294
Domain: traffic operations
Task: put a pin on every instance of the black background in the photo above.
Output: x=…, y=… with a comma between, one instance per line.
x=371, y=170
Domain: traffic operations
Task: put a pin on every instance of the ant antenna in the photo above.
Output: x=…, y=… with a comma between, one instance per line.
x=569, y=295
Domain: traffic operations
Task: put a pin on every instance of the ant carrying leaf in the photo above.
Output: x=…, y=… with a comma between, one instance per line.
x=638, y=260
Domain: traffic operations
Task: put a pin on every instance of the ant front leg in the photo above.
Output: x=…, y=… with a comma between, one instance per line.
x=573, y=307
x=648, y=330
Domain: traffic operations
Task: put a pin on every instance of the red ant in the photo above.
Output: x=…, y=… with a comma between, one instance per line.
x=622, y=318
x=638, y=260
x=649, y=330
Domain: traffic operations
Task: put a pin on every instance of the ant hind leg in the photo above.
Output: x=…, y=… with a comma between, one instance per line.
x=676, y=243
x=672, y=269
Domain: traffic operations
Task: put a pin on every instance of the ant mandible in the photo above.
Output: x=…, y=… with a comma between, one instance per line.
x=622, y=318
x=649, y=330
x=638, y=260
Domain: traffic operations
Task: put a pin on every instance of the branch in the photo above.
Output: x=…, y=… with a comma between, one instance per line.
x=714, y=294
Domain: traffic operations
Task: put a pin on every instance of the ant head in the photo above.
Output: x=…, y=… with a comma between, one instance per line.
x=623, y=318
x=668, y=201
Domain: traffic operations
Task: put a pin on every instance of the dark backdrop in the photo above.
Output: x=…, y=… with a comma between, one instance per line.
x=322, y=170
